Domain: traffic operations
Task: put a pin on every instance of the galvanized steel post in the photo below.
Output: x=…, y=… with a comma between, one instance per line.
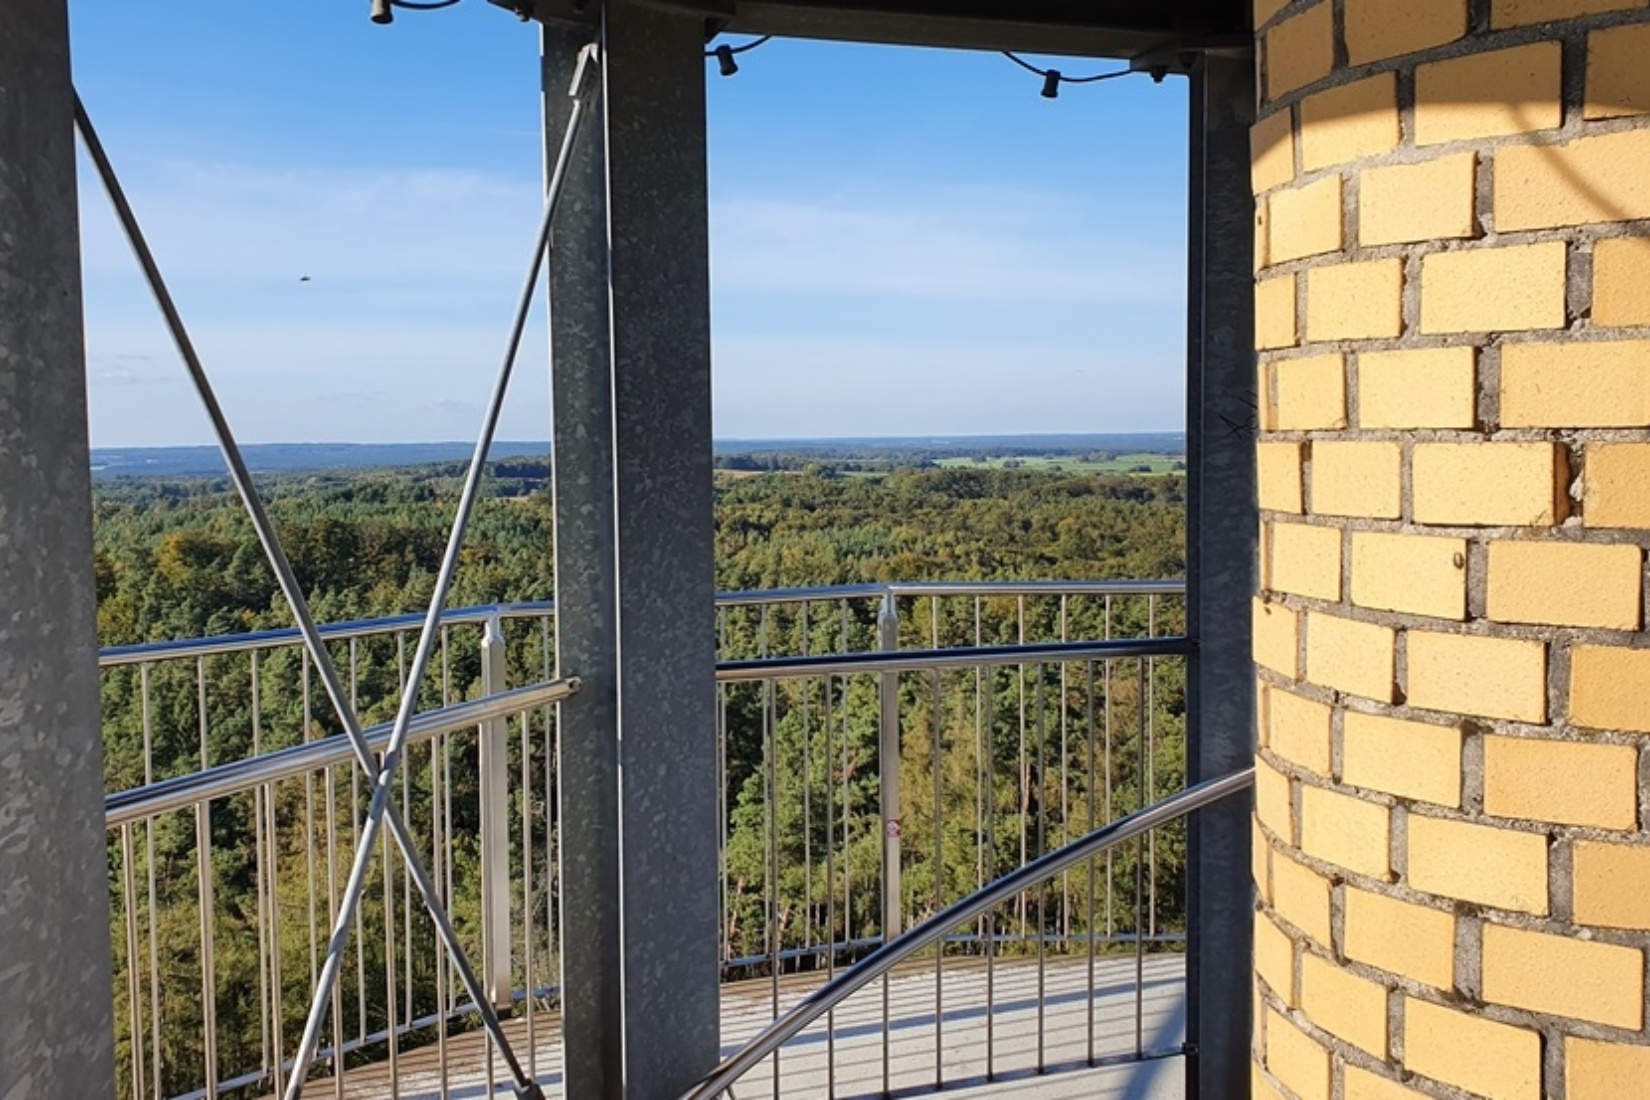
x=57, y=1037
x=631, y=405
x=1220, y=570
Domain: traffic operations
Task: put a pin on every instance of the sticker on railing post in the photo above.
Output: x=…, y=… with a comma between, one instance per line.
x=892, y=829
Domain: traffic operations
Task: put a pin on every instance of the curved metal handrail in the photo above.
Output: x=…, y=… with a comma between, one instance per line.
x=886, y=957
x=210, y=784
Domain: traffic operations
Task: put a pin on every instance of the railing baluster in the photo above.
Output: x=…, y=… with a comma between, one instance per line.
x=203, y=874
x=134, y=992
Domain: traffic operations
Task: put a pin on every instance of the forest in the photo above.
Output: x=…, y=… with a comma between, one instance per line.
x=997, y=765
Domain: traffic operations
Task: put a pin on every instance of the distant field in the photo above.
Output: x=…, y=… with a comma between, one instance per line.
x=1122, y=464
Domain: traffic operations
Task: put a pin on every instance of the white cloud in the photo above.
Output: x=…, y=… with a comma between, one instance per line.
x=944, y=243
x=414, y=273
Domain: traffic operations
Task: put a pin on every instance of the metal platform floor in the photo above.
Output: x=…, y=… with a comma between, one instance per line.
x=964, y=1026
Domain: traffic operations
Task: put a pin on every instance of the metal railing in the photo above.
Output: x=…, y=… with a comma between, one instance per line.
x=937, y=929
x=1017, y=715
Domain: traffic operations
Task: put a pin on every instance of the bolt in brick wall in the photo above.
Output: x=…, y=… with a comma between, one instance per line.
x=1453, y=286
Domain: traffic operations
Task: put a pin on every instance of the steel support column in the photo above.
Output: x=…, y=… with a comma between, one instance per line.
x=1220, y=570
x=58, y=1034
x=630, y=336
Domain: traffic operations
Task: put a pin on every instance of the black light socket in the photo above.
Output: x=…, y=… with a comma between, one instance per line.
x=726, y=60
x=1051, y=84
x=382, y=13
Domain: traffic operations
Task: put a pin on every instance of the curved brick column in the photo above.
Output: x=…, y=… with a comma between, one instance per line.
x=1453, y=312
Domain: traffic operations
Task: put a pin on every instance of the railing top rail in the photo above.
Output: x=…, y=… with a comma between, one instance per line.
x=923, y=660
x=150, y=652
x=891, y=954
x=147, y=652
x=240, y=776
x=905, y=589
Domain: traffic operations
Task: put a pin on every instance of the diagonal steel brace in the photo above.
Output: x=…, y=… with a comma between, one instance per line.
x=382, y=807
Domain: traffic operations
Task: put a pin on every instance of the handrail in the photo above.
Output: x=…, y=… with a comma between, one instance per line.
x=920, y=660
x=225, y=780
x=143, y=652
x=879, y=962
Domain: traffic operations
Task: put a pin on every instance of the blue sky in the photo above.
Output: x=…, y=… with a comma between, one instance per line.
x=904, y=242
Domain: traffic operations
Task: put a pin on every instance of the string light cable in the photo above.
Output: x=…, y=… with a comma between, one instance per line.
x=726, y=53
x=1053, y=78
x=383, y=11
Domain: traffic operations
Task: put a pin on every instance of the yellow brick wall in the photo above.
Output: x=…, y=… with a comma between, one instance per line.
x=1453, y=339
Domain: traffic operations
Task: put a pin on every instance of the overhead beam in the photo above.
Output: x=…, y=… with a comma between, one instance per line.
x=1082, y=28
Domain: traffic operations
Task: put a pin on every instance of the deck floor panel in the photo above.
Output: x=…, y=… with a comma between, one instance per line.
x=858, y=1027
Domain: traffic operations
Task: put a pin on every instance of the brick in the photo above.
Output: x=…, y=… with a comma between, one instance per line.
x=1565, y=782
x=1304, y=561
x=1357, y=479
x=1350, y=123
x=1603, y=385
x=1566, y=584
x=1612, y=885
x=1434, y=200
x=1495, y=289
x=1411, y=941
x=1360, y=1084
x=1263, y=235
x=1346, y=831
x=1564, y=976
x=1493, y=1060
x=1485, y=95
x=1536, y=187
x=1278, y=475
x=1428, y=388
x=1306, y=221
x=1275, y=959
x=1301, y=1064
x=1298, y=730
x=1481, y=863
x=1300, y=50
x=1489, y=484
x=1266, y=9
x=1344, y=1005
x=1398, y=757
x=1275, y=325
x=1301, y=897
x=1616, y=485
x=1273, y=804
x=1621, y=281
x=1356, y=301
x=1379, y=29
x=1618, y=83
x=1277, y=638
x=1348, y=656
x=1610, y=688
x=1260, y=1086
x=1411, y=573
x=1311, y=393
x=1465, y=674
x=1603, y=1071
x=1272, y=150
x=1260, y=863
x=1517, y=13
